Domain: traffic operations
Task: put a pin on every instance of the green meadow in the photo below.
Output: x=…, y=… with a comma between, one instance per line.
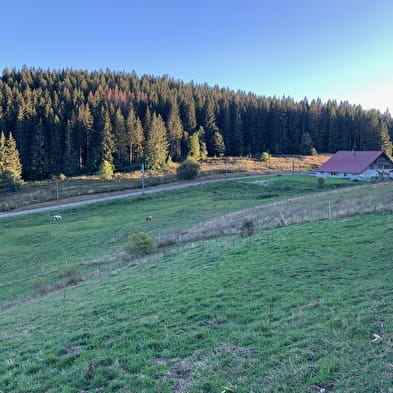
x=289, y=309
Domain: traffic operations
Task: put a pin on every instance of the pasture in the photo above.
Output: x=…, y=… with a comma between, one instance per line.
x=290, y=309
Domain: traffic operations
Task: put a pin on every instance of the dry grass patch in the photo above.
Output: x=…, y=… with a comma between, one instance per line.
x=335, y=204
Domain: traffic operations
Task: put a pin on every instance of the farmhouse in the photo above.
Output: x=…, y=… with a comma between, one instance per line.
x=359, y=165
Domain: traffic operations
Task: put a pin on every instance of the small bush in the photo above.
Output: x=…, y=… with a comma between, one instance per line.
x=39, y=286
x=71, y=274
x=321, y=182
x=188, y=169
x=9, y=182
x=140, y=244
x=265, y=156
x=248, y=228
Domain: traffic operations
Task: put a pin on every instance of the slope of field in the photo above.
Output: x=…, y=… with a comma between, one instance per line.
x=291, y=309
x=89, y=237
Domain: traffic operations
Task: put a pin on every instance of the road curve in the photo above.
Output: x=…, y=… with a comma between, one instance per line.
x=110, y=198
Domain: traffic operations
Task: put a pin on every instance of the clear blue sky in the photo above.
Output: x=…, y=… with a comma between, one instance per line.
x=337, y=49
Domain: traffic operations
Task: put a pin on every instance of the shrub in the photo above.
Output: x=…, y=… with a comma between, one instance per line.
x=71, y=274
x=321, y=182
x=140, y=244
x=9, y=182
x=39, y=286
x=188, y=169
x=248, y=228
x=265, y=156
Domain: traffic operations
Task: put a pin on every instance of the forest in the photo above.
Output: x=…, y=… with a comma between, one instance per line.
x=72, y=122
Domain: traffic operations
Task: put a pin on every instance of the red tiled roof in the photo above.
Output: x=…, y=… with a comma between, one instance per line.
x=350, y=161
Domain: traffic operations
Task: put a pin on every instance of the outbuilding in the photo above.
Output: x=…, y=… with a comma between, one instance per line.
x=359, y=165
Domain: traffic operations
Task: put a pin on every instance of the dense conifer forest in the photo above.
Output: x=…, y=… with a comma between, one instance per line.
x=72, y=122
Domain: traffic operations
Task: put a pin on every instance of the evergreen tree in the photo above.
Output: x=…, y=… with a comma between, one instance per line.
x=85, y=123
x=306, y=145
x=39, y=164
x=235, y=139
x=10, y=165
x=210, y=126
x=175, y=133
x=12, y=162
x=120, y=137
x=108, y=145
x=384, y=138
x=135, y=137
x=218, y=145
x=156, y=149
x=2, y=152
x=195, y=147
x=70, y=158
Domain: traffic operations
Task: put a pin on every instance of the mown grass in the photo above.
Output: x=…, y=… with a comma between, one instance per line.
x=36, y=247
x=286, y=310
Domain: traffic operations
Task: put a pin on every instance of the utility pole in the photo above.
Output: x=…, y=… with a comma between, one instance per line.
x=57, y=189
x=143, y=178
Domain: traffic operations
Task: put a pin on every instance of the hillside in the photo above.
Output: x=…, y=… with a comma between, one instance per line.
x=77, y=122
x=288, y=309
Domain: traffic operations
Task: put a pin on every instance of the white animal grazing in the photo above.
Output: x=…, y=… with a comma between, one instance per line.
x=57, y=217
x=148, y=218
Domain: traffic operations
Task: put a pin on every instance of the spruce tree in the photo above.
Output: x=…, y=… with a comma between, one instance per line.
x=10, y=166
x=195, y=148
x=39, y=164
x=218, y=145
x=2, y=152
x=120, y=137
x=108, y=145
x=175, y=133
x=156, y=149
x=134, y=138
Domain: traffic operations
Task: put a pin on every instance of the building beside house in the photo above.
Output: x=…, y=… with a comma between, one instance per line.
x=357, y=165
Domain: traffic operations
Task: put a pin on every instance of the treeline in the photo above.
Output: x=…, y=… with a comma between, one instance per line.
x=72, y=122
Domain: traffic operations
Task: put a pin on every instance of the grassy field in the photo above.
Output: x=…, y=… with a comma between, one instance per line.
x=290, y=309
x=84, y=187
x=92, y=236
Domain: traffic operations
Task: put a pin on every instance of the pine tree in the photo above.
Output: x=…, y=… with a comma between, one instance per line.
x=235, y=138
x=2, y=152
x=120, y=137
x=39, y=164
x=210, y=126
x=108, y=145
x=195, y=147
x=10, y=166
x=306, y=144
x=156, y=149
x=70, y=159
x=218, y=145
x=384, y=138
x=84, y=123
x=135, y=137
x=175, y=133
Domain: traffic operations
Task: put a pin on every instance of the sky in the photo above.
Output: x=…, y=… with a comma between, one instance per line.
x=328, y=49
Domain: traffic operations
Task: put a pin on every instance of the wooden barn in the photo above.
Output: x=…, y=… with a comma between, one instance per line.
x=360, y=165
